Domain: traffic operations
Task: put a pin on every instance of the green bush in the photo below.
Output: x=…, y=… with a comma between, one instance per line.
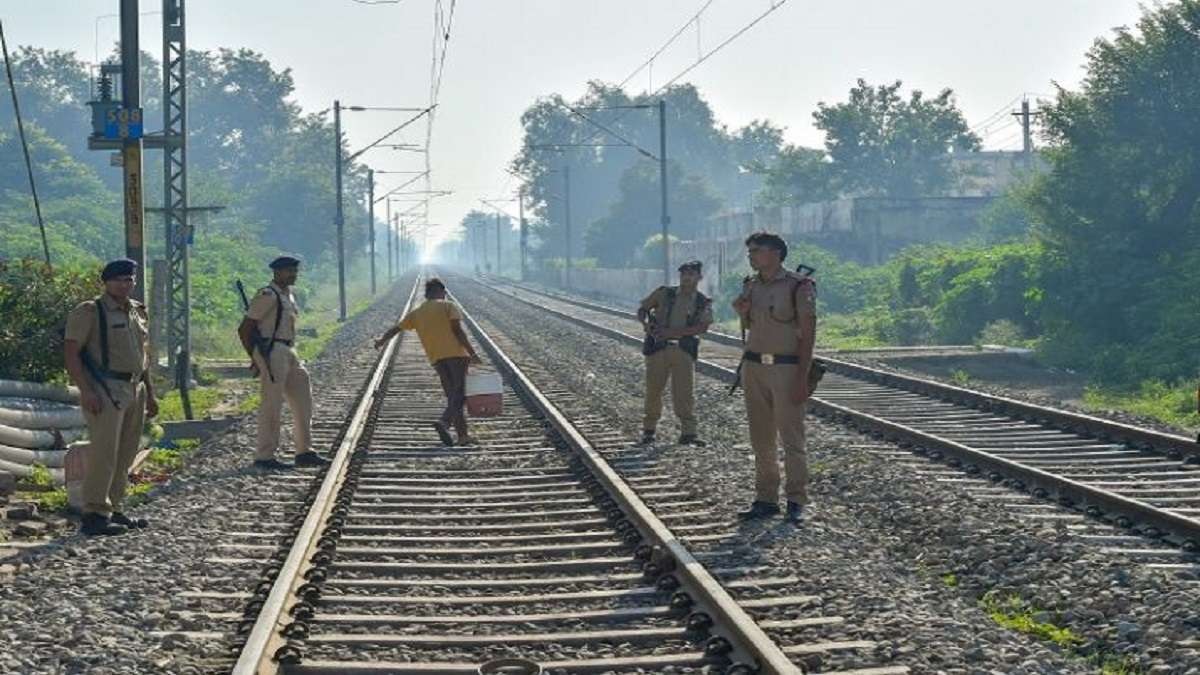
x=1001, y=332
x=34, y=302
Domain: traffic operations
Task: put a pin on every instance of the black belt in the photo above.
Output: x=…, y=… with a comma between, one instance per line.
x=770, y=359
x=110, y=375
x=286, y=342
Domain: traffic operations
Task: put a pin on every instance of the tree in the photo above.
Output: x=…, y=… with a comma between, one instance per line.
x=880, y=144
x=616, y=238
x=695, y=142
x=1118, y=209
x=796, y=176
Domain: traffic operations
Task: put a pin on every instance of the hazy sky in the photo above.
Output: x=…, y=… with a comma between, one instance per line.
x=505, y=53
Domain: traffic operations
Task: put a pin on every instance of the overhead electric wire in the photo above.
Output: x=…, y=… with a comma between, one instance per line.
x=12, y=87
x=668, y=43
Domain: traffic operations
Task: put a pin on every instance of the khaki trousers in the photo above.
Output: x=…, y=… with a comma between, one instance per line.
x=676, y=365
x=115, y=435
x=453, y=374
x=292, y=383
x=772, y=414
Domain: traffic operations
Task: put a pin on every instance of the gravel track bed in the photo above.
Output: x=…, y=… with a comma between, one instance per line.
x=877, y=544
x=1021, y=395
x=879, y=359
x=90, y=605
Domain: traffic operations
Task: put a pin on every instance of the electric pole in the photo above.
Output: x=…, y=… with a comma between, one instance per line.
x=524, y=232
x=391, y=268
x=338, y=217
x=1026, y=118
x=567, y=214
x=131, y=150
x=498, y=273
x=662, y=179
x=371, y=219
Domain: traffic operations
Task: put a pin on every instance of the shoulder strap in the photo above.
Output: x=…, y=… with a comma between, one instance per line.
x=670, y=304
x=278, y=313
x=102, y=318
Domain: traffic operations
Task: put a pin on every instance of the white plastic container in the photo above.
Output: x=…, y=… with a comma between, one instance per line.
x=485, y=393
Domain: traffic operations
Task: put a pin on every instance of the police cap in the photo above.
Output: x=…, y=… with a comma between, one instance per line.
x=121, y=267
x=284, y=262
x=692, y=266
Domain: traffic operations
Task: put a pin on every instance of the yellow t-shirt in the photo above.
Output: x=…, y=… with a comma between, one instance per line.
x=432, y=322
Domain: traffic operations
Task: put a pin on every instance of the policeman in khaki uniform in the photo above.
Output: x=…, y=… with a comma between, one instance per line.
x=778, y=307
x=107, y=356
x=268, y=333
x=673, y=317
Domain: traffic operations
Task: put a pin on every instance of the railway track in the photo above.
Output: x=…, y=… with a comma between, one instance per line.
x=548, y=546
x=1133, y=490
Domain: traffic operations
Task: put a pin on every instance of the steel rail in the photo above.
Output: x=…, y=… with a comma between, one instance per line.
x=732, y=622
x=1173, y=446
x=1094, y=501
x=258, y=654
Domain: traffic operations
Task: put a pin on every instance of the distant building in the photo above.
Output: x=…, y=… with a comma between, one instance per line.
x=872, y=229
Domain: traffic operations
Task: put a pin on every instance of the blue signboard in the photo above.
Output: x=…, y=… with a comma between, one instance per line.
x=122, y=124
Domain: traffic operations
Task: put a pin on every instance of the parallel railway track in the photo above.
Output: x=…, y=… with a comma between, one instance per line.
x=1141, y=480
x=551, y=542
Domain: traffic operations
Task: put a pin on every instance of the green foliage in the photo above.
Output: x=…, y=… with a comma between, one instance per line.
x=1118, y=209
x=635, y=215
x=1171, y=403
x=712, y=155
x=882, y=144
x=52, y=501
x=1014, y=613
x=34, y=302
x=39, y=477
x=1002, y=332
x=203, y=399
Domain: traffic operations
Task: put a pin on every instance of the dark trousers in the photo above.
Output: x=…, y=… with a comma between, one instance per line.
x=453, y=373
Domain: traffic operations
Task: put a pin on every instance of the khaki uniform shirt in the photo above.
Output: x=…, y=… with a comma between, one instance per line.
x=128, y=334
x=262, y=309
x=685, y=304
x=779, y=312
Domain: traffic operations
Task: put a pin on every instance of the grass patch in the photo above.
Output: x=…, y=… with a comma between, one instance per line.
x=960, y=377
x=137, y=493
x=249, y=404
x=950, y=580
x=1014, y=613
x=39, y=478
x=1171, y=403
x=52, y=501
x=204, y=399
x=847, y=331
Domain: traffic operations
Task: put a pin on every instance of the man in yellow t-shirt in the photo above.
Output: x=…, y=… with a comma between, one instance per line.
x=438, y=323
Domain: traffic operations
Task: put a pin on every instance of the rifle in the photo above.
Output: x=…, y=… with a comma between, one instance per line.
x=737, y=375
x=256, y=338
x=92, y=370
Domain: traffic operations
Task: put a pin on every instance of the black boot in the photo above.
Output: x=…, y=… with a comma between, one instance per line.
x=759, y=510
x=647, y=437
x=94, y=524
x=443, y=433
x=119, y=518
x=311, y=458
x=795, y=511
x=271, y=465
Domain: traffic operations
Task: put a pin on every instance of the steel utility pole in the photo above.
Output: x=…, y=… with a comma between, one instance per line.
x=403, y=243
x=371, y=219
x=391, y=267
x=131, y=150
x=567, y=218
x=662, y=179
x=1026, y=117
x=498, y=273
x=176, y=212
x=338, y=218
x=524, y=232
